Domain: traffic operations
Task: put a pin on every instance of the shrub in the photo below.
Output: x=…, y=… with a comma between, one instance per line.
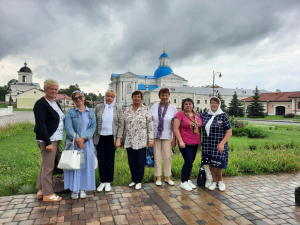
x=250, y=132
x=289, y=115
x=239, y=124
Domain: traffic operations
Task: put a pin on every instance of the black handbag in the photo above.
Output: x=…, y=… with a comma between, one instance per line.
x=56, y=170
x=297, y=195
x=201, y=176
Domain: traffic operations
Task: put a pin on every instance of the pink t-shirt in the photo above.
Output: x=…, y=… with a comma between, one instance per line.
x=185, y=128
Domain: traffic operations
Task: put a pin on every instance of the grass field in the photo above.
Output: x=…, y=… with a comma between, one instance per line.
x=4, y=105
x=20, y=158
x=271, y=117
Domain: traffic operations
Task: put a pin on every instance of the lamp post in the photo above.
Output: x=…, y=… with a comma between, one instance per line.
x=9, y=96
x=64, y=102
x=244, y=106
x=267, y=105
x=220, y=75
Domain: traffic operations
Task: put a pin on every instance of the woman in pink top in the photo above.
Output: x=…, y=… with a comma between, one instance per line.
x=187, y=124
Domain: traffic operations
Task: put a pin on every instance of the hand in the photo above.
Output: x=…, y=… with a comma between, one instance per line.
x=49, y=148
x=199, y=145
x=182, y=144
x=173, y=144
x=150, y=144
x=118, y=143
x=220, y=147
x=80, y=142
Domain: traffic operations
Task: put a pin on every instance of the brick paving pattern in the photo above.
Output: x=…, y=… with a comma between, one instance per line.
x=266, y=199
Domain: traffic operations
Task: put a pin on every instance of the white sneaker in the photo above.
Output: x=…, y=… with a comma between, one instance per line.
x=208, y=182
x=158, y=183
x=170, y=182
x=212, y=186
x=138, y=186
x=107, y=187
x=191, y=184
x=186, y=186
x=82, y=194
x=131, y=184
x=222, y=186
x=101, y=187
x=74, y=195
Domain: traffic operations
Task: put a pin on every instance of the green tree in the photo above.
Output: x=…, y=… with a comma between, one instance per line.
x=255, y=109
x=235, y=107
x=68, y=91
x=223, y=106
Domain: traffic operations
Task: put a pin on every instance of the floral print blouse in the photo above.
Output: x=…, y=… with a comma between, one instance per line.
x=138, y=127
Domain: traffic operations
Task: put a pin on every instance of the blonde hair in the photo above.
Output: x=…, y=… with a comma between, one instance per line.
x=48, y=83
x=111, y=91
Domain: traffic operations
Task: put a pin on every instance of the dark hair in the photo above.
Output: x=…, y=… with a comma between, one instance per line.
x=163, y=91
x=187, y=100
x=215, y=99
x=137, y=93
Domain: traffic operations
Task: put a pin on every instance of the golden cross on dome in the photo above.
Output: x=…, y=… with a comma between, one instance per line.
x=25, y=63
x=164, y=49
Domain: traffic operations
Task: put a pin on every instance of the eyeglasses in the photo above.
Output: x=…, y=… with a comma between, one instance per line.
x=76, y=98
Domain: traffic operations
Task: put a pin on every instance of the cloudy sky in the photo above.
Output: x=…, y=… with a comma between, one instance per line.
x=74, y=41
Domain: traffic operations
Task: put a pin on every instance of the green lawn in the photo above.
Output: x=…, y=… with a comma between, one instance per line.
x=20, y=157
x=4, y=105
x=296, y=118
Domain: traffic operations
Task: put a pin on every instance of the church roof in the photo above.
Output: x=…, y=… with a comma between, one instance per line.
x=164, y=55
x=143, y=87
x=25, y=69
x=162, y=71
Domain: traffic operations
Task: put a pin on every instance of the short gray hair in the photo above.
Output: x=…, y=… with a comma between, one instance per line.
x=111, y=91
x=48, y=83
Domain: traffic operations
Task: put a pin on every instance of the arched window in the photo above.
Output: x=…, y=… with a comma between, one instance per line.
x=205, y=101
x=129, y=88
x=24, y=79
x=174, y=100
x=198, y=101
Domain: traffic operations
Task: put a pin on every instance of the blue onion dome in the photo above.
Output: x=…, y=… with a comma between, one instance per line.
x=162, y=71
x=164, y=55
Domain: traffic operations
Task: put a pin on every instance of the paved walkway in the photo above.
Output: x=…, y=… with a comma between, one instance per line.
x=266, y=199
x=19, y=116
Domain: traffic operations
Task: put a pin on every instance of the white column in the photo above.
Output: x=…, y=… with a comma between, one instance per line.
x=10, y=108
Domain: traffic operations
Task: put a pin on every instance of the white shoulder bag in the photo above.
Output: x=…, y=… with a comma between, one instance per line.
x=70, y=158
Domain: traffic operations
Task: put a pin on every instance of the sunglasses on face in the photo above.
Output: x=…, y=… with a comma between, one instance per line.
x=76, y=98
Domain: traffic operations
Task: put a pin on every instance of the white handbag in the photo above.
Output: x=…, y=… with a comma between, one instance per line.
x=70, y=159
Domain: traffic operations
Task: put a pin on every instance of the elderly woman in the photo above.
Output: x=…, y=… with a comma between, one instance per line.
x=110, y=125
x=214, y=149
x=187, y=124
x=80, y=123
x=49, y=129
x=138, y=134
x=163, y=114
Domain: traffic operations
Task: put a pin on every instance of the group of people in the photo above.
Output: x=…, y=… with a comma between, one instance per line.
x=138, y=127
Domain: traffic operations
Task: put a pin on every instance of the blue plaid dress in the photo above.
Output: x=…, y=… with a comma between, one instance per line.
x=218, y=128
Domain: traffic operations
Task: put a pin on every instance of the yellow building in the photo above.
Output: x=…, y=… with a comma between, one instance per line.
x=27, y=99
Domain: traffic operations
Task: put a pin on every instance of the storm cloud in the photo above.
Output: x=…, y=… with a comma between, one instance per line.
x=251, y=42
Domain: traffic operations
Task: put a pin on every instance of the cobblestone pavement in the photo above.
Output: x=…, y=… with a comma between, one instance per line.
x=266, y=199
x=19, y=116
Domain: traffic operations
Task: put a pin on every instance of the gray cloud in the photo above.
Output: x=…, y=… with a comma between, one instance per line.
x=77, y=39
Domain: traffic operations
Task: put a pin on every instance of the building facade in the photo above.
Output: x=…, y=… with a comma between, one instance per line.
x=164, y=77
x=25, y=83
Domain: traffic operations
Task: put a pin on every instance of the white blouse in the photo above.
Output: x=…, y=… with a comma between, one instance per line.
x=167, y=133
x=59, y=133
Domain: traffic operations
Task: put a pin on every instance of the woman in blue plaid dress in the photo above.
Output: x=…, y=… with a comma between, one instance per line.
x=216, y=132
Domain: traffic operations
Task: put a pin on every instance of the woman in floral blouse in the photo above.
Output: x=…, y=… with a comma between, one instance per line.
x=138, y=135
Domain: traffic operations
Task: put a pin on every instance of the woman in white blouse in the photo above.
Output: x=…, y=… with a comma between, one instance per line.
x=49, y=129
x=163, y=114
x=109, y=131
x=138, y=135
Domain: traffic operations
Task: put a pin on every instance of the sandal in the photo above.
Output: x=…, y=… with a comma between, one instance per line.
x=39, y=196
x=52, y=198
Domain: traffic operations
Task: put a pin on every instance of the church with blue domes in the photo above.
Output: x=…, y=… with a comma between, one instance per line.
x=126, y=83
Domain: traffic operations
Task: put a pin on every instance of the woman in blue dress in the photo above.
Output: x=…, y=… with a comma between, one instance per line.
x=216, y=132
x=81, y=122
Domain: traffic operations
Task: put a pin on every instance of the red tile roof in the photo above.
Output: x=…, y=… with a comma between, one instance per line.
x=61, y=96
x=274, y=97
x=296, y=95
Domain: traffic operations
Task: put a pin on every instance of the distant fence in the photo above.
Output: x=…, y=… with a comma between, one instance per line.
x=6, y=111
